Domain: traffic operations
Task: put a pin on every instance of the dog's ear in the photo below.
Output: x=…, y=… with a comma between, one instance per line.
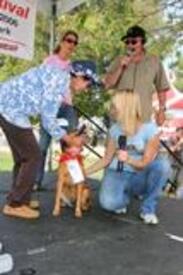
x=64, y=145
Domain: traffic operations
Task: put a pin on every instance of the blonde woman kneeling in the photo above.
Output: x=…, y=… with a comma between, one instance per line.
x=142, y=172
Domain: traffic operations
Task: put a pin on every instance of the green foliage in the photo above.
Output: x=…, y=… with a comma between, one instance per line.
x=179, y=72
x=92, y=103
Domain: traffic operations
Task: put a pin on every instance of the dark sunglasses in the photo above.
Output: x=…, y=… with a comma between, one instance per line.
x=132, y=41
x=85, y=77
x=71, y=41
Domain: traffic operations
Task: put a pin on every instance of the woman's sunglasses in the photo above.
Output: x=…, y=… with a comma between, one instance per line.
x=71, y=41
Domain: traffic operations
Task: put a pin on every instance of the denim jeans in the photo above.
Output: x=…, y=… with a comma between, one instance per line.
x=167, y=168
x=65, y=111
x=118, y=187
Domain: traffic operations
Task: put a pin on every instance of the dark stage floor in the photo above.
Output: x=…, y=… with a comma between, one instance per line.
x=98, y=244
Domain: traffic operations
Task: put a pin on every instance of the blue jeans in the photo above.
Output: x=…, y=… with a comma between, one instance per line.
x=118, y=187
x=166, y=166
x=65, y=111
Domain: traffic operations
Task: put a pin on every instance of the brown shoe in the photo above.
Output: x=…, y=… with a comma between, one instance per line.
x=34, y=204
x=23, y=211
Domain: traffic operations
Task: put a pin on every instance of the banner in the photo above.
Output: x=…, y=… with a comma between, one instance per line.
x=17, y=24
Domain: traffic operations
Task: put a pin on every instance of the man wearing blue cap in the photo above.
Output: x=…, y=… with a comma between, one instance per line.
x=140, y=72
x=37, y=92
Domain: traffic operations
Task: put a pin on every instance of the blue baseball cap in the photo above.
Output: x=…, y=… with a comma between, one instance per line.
x=86, y=68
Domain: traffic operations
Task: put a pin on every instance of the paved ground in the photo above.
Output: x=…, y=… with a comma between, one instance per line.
x=98, y=244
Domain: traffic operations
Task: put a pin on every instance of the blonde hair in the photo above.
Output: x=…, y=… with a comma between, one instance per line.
x=127, y=110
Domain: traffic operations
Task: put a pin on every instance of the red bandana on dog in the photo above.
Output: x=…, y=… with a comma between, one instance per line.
x=71, y=156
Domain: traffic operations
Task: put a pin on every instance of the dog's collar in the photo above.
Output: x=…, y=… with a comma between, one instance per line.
x=68, y=156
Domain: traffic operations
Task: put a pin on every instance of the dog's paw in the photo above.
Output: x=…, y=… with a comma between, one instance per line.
x=78, y=214
x=56, y=212
x=86, y=207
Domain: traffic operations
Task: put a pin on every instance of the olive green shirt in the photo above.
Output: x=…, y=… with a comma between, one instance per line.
x=145, y=77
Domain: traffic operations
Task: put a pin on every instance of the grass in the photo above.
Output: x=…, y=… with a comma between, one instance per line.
x=6, y=161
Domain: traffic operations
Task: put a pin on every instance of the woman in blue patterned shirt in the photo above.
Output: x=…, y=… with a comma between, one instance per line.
x=37, y=92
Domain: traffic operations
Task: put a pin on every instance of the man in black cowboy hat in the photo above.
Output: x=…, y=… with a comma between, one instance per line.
x=139, y=71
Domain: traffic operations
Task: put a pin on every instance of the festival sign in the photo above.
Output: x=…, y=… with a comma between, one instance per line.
x=17, y=24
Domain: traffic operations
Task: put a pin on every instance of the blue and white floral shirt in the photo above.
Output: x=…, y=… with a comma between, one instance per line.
x=37, y=92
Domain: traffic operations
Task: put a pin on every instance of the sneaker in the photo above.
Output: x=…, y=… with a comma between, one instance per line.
x=149, y=218
x=34, y=204
x=6, y=263
x=121, y=210
x=23, y=211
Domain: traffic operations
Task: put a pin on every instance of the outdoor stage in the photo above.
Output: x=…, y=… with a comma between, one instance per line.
x=98, y=244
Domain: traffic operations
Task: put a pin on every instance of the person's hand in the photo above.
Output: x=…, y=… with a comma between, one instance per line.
x=160, y=117
x=124, y=61
x=122, y=155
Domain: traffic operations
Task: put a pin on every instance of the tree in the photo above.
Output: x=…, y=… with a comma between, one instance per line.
x=179, y=72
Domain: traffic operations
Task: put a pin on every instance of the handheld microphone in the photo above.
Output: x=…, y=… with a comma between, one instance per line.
x=122, y=146
x=128, y=54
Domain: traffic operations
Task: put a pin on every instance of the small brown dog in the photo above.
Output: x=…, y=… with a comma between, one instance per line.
x=71, y=186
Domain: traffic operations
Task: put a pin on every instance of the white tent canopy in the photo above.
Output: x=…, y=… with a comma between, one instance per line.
x=63, y=6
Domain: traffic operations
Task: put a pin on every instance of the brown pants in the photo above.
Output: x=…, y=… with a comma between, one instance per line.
x=26, y=155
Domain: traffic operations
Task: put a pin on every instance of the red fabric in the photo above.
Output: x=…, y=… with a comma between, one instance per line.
x=68, y=156
x=178, y=104
x=174, y=99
